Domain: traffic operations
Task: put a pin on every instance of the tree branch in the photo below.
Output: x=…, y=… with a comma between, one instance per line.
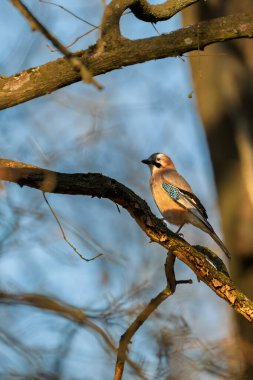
x=69, y=312
x=145, y=11
x=145, y=314
x=41, y=80
x=74, y=61
x=170, y=272
x=98, y=185
x=58, y=307
x=142, y=9
x=132, y=329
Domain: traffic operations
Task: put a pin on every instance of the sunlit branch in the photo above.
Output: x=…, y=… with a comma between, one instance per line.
x=98, y=185
x=100, y=59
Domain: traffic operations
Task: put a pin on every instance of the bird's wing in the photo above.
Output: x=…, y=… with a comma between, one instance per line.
x=192, y=204
x=195, y=202
x=187, y=200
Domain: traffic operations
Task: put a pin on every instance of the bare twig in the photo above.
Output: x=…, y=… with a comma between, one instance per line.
x=76, y=63
x=64, y=235
x=75, y=40
x=71, y=13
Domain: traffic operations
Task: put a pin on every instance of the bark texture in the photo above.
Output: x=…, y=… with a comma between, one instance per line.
x=206, y=264
x=113, y=51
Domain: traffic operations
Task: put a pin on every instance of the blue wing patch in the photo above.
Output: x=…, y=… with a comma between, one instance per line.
x=187, y=200
x=171, y=190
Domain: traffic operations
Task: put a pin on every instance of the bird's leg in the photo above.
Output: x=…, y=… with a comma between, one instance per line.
x=177, y=232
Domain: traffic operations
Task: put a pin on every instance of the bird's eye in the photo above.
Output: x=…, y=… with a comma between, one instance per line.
x=157, y=162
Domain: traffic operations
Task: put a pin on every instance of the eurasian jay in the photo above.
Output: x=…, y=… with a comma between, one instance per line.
x=175, y=198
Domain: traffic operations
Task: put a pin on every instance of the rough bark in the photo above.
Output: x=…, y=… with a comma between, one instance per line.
x=206, y=265
x=104, y=56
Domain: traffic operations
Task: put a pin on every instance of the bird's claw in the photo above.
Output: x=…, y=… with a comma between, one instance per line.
x=180, y=234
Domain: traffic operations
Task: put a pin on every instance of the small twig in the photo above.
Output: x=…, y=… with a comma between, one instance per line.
x=76, y=63
x=184, y=281
x=157, y=31
x=70, y=12
x=64, y=235
x=75, y=40
x=82, y=35
x=118, y=207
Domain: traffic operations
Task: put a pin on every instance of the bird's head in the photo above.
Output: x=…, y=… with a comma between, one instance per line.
x=158, y=161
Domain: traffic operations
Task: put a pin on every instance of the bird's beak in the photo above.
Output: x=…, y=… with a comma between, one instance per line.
x=147, y=162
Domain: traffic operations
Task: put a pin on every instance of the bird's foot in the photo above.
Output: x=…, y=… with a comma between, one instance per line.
x=180, y=234
x=179, y=229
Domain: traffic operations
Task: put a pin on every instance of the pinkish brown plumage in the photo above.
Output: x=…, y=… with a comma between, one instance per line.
x=175, y=198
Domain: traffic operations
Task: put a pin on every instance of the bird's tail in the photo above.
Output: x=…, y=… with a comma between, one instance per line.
x=219, y=242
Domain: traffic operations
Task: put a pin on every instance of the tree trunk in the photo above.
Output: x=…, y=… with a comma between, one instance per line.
x=223, y=81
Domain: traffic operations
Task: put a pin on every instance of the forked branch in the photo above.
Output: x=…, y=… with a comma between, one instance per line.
x=145, y=314
x=112, y=51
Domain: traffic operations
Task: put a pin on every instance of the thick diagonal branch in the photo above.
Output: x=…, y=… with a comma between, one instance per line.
x=97, y=185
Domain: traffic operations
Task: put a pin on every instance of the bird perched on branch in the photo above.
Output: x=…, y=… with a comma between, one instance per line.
x=175, y=198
